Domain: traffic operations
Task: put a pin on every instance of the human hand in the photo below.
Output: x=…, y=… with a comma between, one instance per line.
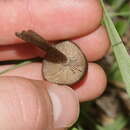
x=27, y=101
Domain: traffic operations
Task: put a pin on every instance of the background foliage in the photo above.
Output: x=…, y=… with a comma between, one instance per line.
x=111, y=111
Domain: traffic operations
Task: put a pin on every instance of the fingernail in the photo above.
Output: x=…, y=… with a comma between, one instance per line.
x=65, y=105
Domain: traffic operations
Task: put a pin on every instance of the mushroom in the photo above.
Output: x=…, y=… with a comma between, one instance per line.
x=64, y=62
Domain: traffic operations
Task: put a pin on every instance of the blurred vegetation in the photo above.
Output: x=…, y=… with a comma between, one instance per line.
x=111, y=111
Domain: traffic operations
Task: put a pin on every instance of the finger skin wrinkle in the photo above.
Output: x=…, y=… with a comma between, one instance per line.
x=20, y=104
x=24, y=102
x=26, y=116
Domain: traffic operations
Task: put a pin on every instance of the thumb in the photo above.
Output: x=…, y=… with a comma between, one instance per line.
x=36, y=105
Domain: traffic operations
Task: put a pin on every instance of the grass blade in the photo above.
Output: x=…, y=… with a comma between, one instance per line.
x=22, y=63
x=119, y=50
x=15, y=67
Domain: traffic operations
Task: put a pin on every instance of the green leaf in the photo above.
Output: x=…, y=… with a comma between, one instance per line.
x=122, y=26
x=123, y=14
x=117, y=4
x=119, y=50
x=114, y=73
x=125, y=8
x=118, y=124
x=74, y=129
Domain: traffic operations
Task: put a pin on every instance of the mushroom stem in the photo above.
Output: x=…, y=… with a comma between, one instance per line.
x=54, y=54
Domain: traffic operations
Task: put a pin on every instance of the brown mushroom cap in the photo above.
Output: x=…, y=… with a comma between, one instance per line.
x=69, y=72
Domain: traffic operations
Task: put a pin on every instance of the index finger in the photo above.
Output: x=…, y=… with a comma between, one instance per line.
x=54, y=20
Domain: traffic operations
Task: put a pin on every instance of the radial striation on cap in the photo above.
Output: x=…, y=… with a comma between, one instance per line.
x=71, y=71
